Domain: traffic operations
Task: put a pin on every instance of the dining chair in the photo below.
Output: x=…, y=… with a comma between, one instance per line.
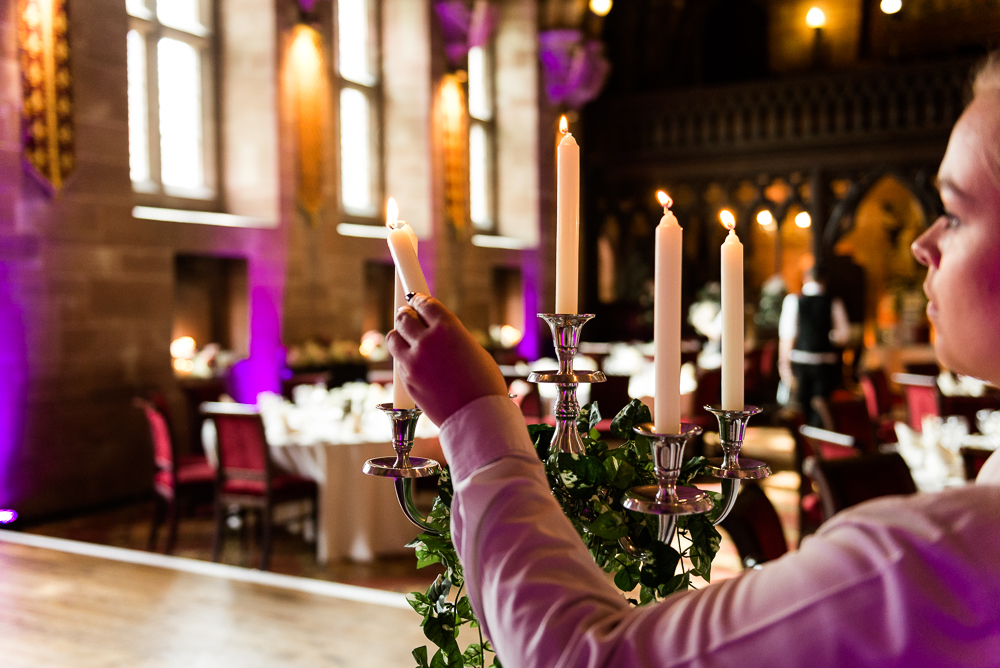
x=246, y=478
x=175, y=478
x=848, y=481
x=922, y=397
x=754, y=526
x=850, y=416
x=878, y=401
x=815, y=442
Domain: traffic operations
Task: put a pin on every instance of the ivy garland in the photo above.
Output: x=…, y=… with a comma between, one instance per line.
x=590, y=488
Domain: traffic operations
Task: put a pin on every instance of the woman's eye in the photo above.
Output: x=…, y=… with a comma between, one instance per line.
x=950, y=221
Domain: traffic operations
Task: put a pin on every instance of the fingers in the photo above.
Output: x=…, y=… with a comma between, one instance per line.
x=430, y=310
x=396, y=344
x=409, y=325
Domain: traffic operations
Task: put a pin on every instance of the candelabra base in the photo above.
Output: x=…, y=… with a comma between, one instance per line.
x=732, y=468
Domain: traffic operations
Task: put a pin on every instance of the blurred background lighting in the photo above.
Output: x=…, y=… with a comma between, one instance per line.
x=765, y=218
x=891, y=6
x=184, y=348
x=803, y=220
x=600, y=7
x=815, y=18
x=7, y=516
x=510, y=336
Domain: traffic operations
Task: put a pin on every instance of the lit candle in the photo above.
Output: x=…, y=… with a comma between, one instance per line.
x=667, y=321
x=400, y=397
x=732, y=316
x=567, y=220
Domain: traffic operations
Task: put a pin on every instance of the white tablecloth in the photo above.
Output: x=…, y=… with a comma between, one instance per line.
x=359, y=517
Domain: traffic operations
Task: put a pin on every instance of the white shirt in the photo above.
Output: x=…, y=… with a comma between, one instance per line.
x=899, y=581
x=788, y=321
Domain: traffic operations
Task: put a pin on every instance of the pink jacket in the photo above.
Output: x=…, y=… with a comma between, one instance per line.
x=899, y=581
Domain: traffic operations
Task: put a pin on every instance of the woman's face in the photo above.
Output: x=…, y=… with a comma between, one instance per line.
x=962, y=248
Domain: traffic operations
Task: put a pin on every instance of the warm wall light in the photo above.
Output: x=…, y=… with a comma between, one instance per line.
x=765, y=218
x=453, y=131
x=803, y=219
x=306, y=77
x=510, y=336
x=815, y=18
x=600, y=7
x=891, y=6
x=183, y=347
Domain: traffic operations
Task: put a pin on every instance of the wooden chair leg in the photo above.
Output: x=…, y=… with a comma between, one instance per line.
x=265, y=541
x=220, y=520
x=157, y=518
x=172, y=520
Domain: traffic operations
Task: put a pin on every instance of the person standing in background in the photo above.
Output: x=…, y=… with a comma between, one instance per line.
x=812, y=328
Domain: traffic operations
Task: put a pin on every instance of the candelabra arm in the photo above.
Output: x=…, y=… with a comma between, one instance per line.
x=731, y=467
x=633, y=550
x=404, y=494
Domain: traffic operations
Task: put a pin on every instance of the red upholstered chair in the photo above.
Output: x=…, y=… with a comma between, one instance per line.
x=848, y=481
x=822, y=444
x=175, y=476
x=850, y=416
x=246, y=478
x=754, y=526
x=879, y=404
x=922, y=397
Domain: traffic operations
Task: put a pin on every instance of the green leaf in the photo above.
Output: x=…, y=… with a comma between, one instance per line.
x=628, y=577
x=420, y=656
x=541, y=436
x=610, y=525
x=593, y=414
x=464, y=610
x=419, y=602
x=473, y=655
x=635, y=413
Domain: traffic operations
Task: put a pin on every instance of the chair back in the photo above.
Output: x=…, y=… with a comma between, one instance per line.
x=754, y=526
x=850, y=416
x=241, y=447
x=973, y=459
x=825, y=444
x=848, y=481
x=159, y=431
x=922, y=397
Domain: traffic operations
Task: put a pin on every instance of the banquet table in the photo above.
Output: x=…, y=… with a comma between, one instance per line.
x=359, y=518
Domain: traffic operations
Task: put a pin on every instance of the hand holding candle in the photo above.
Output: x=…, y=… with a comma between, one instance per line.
x=732, y=316
x=400, y=398
x=567, y=221
x=667, y=321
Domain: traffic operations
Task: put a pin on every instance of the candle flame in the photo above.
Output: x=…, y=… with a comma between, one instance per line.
x=727, y=218
x=664, y=199
x=391, y=213
x=563, y=125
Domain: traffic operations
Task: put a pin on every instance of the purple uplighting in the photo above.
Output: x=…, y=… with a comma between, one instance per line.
x=7, y=516
x=463, y=28
x=261, y=372
x=13, y=385
x=575, y=68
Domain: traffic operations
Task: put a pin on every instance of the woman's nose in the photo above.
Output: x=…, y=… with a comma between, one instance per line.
x=925, y=247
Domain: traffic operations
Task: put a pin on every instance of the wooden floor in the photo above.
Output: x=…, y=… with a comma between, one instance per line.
x=60, y=609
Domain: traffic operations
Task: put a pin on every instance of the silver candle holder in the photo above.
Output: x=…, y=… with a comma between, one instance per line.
x=566, y=329
x=403, y=468
x=666, y=498
x=732, y=468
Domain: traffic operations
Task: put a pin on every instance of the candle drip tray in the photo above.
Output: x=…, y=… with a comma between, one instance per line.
x=389, y=467
x=650, y=499
x=575, y=377
x=745, y=469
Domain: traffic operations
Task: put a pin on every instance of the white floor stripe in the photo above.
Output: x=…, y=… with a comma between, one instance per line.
x=307, y=585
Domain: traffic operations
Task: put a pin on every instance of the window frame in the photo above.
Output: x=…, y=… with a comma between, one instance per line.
x=374, y=95
x=489, y=127
x=152, y=192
